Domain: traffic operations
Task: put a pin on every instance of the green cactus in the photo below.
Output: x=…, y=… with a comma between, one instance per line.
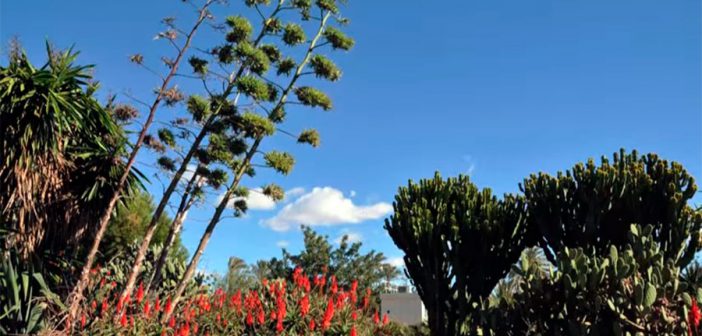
x=459, y=241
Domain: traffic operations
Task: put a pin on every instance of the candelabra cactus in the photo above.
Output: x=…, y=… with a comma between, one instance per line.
x=459, y=241
x=593, y=206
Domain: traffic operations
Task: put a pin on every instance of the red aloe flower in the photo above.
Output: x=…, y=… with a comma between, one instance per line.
x=168, y=306
x=353, y=331
x=385, y=319
x=354, y=316
x=328, y=315
x=249, y=318
x=305, y=305
x=171, y=322
x=312, y=325
x=334, y=285
x=261, y=316
x=93, y=305
x=157, y=306
x=376, y=318
x=147, y=309
x=123, y=320
x=140, y=293
x=103, y=308
x=82, y=321
x=366, y=299
x=694, y=314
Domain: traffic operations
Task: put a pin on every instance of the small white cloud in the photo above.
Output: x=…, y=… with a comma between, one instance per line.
x=294, y=192
x=256, y=200
x=352, y=193
x=471, y=164
x=398, y=262
x=353, y=237
x=325, y=207
x=282, y=243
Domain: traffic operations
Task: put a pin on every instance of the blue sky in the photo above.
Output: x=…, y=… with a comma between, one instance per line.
x=498, y=89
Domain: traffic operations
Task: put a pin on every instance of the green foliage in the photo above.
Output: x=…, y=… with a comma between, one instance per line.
x=312, y=97
x=253, y=87
x=199, y=107
x=24, y=297
x=241, y=29
x=272, y=52
x=129, y=223
x=252, y=58
x=238, y=277
x=167, y=137
x=166, y=163
x=458, y=241
x=286, y=65
x=329, y=5
x=62, y=154
x=282, y=162
x=338, y=39
x=256, y=125
x=629, y=290
x=293, y=34
x=319, y=257
x=593, y=206
x=325, y=68
x=225, y=54
x=274, y=191
x=199, y=65
x=309, y=136
x=217, y=177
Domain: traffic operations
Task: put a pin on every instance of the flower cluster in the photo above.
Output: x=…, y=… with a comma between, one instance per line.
x=307, y=305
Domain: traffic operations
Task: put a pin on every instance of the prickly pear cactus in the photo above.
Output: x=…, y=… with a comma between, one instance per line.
x=630, y=290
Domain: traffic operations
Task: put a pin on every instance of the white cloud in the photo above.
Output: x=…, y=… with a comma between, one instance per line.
x=352, y=193
x=398, y=262
x=325, y=207
x=353, y=237
x=294, y=192
x=282, y=243
x=256, y=200
x=471, y=164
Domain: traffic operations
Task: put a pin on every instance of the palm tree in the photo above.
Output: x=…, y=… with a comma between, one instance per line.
x=61, y=154
x=692, y=277
x=390, y=273
x=238, y=276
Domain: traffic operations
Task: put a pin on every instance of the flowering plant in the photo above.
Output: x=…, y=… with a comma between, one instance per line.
x=307, y=305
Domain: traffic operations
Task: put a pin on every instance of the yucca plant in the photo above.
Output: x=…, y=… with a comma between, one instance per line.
x=60, y=151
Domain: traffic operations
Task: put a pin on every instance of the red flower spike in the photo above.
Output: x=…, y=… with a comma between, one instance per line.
x=694, y=314
x=147, y=309
x=312, y=325
x=376, y=318
x=82, y=321
x=140, y=293
x=353, y=331
x=123, y=320
x=354, y=316
x=171, y=322
x=168, y=308
x=304, y=305
x=385, y=319
x=157, y=306
x=328, y=315
x=104, y=307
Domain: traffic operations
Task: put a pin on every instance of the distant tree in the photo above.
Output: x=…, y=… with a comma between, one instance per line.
x=129, y=223
x=239, y=276
x=390, y=273
x=345, y=261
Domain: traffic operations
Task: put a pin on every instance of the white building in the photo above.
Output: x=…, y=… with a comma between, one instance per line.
x=403, y=307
